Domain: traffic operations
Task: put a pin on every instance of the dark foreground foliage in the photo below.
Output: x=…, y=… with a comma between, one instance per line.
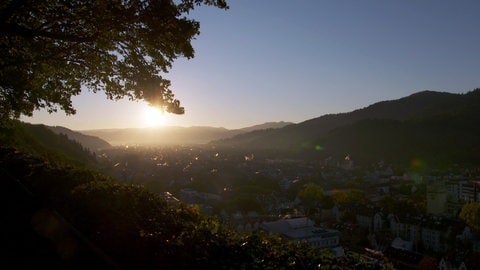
x=83, y=218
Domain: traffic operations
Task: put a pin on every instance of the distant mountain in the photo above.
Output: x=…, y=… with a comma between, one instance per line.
x=158, y=136
x=435, y=126
x=264, y=126
x=91, y=142
x=174, y=134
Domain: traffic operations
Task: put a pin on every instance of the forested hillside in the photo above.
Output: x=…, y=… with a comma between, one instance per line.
x=439, y=128
x=40, y=140
x=93, y=143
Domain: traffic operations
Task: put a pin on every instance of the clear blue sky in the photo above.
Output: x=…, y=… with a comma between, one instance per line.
x=263, y=61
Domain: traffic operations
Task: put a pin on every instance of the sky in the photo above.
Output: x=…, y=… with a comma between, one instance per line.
x=268, y=61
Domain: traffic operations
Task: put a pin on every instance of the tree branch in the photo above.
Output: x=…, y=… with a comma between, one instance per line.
x=15, y=29
x=9, y=9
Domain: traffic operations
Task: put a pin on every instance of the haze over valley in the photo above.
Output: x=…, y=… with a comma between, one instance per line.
x=397, y=131
x=168, y=135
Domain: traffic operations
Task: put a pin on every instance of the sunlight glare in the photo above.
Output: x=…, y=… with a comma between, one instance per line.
x=153, y=117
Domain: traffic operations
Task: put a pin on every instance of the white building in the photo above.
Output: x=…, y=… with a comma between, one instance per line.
x=303, y=229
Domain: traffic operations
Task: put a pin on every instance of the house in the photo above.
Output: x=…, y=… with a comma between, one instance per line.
x=408, y=228
x=370, y=218
x=445, y=265
x=438, y=234
x=364, y=217
x=303, y=229
x=378, y=221
x=404, y=259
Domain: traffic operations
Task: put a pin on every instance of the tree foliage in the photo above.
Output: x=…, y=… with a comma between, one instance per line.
x=350, y=196
x=402, y=207
x=137, y=229
x=311, y=195
x=51, y=48
x=470, y=213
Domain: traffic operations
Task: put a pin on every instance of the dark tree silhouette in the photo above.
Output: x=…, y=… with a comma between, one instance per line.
x=49, y=49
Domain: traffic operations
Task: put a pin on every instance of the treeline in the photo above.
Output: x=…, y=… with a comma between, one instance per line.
x=129, y=227
x=439, y=142
x=440, y=129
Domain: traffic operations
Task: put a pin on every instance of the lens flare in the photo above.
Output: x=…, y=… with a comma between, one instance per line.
x=153, y=117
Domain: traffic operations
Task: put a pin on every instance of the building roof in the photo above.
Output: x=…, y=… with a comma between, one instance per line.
x=297, y=228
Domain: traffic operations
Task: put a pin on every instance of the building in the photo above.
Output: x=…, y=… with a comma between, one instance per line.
x=436, y=198
x=460, y=192
x=446, y=197
x=303, y=229
x=404, y=259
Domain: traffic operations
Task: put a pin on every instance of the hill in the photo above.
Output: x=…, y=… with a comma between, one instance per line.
x=437, y=127
x=40, y=140
x=93, y=143
x=265, y=126
x=174, y=134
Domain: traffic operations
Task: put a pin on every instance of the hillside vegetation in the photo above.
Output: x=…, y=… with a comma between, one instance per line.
x=436, y=127
x=93, y=143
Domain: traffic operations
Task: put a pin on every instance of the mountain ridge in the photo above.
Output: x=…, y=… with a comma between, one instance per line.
x=91, y=142
x=174, y=134
x=414, y=116
x=413, y=126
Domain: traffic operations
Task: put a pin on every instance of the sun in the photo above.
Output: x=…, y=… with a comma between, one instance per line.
x=153, y=117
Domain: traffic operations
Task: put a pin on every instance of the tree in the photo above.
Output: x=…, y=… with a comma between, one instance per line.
x=470, y=213
x=311, y=195
x=349, y=196
x=49, y=49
